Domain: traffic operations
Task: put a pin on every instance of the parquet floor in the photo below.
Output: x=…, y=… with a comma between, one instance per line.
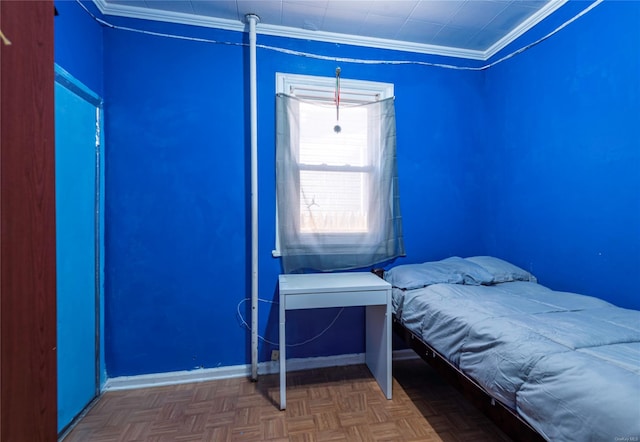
x=329, y=404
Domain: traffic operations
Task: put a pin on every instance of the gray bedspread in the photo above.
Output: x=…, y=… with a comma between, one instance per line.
x=569, y=364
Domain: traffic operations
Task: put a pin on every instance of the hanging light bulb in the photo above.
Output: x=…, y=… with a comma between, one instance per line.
x=337, y=129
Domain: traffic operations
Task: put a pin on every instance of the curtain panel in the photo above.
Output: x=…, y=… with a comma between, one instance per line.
x=315, y=238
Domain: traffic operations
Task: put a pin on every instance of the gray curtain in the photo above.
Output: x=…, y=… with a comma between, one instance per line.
x=308, y=240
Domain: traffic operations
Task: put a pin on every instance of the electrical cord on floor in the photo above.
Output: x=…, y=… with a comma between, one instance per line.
x=263, y=339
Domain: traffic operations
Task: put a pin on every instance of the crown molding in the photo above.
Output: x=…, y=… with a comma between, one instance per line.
x=130, y=11
x=529, y=23
x=370, y=42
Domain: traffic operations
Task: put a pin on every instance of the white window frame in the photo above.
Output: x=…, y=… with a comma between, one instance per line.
x=311, y=87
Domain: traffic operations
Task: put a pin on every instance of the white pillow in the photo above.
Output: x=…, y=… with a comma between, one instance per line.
x=454, y=270
x=414, y=276
x=502, y=271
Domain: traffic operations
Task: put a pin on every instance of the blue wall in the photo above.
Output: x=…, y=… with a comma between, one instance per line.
x=563, y=156
x=178, y=192
x=532, y=160
x=78, y=43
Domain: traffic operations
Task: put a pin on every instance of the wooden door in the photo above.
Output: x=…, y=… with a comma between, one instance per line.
x=27, y=224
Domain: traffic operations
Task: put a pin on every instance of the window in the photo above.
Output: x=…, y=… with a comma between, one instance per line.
x=335, y=170
x=336, y=176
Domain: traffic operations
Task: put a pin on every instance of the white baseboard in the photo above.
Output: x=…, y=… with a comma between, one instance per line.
x=236, y=371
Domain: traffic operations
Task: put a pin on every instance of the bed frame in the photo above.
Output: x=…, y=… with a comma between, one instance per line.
x=504, y=417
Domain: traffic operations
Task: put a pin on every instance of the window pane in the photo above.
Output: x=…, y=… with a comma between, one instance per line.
x=333, y=202
x=319, y=142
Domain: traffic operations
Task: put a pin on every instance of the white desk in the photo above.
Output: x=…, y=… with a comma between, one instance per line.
x=342, y=290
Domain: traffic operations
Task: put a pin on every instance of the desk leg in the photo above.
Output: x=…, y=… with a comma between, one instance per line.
x=283, y=356
x=378, y=345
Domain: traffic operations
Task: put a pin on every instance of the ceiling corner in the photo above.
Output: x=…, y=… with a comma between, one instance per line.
x=523, y=27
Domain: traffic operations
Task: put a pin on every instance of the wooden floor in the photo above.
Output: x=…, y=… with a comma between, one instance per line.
x=330, y=404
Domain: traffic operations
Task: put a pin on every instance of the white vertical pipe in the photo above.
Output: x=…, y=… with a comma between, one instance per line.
x=253, y=20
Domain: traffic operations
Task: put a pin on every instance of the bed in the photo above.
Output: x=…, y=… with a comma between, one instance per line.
x=543, y=364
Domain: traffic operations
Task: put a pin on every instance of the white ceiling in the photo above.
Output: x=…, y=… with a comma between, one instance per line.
x=474, y=29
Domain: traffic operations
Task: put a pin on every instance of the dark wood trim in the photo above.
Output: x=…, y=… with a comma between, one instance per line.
x=28, y=409
x=504, y=417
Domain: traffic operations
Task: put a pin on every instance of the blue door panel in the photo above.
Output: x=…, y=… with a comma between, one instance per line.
x=75, y=239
